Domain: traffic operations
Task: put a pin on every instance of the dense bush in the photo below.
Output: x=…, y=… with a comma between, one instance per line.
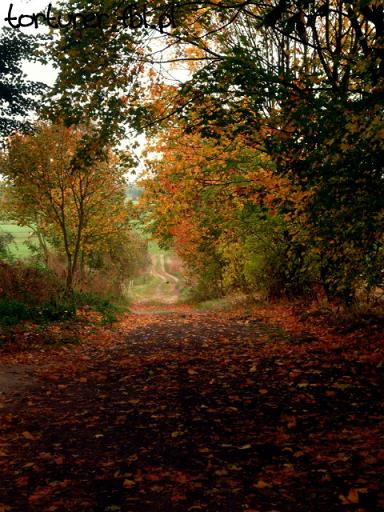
x=258, y=254
x=207, y=283
x=31, y=293
x=29, y=285
x=37, y=294
x=109, y=307
x=12, y=312
x=276, y=263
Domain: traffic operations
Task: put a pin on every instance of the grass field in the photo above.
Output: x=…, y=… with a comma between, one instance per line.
x=20, y=235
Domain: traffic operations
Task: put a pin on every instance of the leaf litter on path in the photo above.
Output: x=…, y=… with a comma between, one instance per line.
x=191, y=411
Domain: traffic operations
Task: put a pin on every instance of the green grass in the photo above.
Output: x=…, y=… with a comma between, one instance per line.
x=145, y=286
x=20, y=234
x=154, y=249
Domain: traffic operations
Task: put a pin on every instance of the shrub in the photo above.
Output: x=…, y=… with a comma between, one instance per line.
x=30, y=285
x=31, y=293
x=37, y=294
x=12, y=312
x=276, y=264
x=109, y=308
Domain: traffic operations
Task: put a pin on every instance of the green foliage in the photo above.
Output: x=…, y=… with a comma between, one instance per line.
x=265, y=254
x=18, y=96
x=31, y=293
x=60, y=309
x=340, y=160
x=5, y=240
x=12, y=312
x=109, y=307
x=276, y=264
x=208, y=282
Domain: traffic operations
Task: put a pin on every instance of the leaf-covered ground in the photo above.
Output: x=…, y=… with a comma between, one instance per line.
x=185, y=411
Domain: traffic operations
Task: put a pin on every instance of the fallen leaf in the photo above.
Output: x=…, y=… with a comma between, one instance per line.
x=128, y=484
x=22, y=481
x=28, y=435
x=261, y=485
x=177, y=434
x=351, y=498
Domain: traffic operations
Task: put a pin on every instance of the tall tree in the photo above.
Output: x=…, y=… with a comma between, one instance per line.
x=76, y=208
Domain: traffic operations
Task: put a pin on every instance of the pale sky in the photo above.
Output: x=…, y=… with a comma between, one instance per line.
x=36, y=72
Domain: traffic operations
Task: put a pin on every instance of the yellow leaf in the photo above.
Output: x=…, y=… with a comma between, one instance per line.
x=177, y=434
x=261, y=485
x=353, y=497
x=128, y=484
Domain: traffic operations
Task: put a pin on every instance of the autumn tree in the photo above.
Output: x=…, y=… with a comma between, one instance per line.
x=311, y=74
x=77, y=209
x=218, y=203
x=302, y=80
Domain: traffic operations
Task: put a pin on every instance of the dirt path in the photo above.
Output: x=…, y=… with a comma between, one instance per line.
x=14, y=379
x=185, y=411
x=166, y=274
x=166, y=292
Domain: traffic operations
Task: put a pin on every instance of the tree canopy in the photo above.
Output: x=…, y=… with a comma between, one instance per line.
x=19, y=97
x=79, y=211
x=297, y=81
